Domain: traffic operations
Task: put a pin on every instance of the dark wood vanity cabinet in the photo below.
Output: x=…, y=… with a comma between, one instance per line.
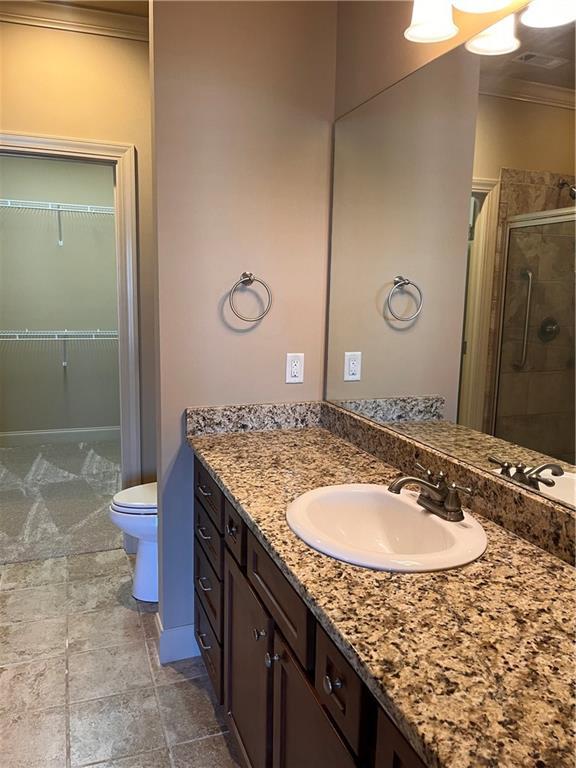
x=293, y=700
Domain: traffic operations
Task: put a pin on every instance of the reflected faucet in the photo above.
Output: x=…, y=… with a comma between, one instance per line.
x=530, y=476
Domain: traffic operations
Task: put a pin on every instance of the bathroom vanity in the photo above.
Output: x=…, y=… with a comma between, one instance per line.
x=322, y=663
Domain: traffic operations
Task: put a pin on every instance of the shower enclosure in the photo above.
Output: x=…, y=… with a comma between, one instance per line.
x=59, y=382
x=536, y=376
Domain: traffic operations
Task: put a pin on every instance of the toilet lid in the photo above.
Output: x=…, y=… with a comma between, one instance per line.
x=139, y=497
x=134, y=510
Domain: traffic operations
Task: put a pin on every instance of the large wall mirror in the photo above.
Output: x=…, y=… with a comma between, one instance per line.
x=452, y=265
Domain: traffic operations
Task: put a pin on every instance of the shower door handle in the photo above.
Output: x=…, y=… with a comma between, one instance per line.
x=527, y=273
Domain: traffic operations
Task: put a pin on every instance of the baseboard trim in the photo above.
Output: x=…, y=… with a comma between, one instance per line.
x=74, y=435
x=176, y=643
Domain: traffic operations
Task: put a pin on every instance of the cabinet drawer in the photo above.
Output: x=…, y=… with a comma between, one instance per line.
x=235, y=533
x=209, y=494
x=286, y=607
x=208, y=536
x=339, y=689
x=392, y=749
x=209, y=590
x=209, y=648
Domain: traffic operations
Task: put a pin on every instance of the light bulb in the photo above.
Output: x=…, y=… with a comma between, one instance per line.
x=549, y=13
x=431, y=22
x=479, y=6
x=497, y=40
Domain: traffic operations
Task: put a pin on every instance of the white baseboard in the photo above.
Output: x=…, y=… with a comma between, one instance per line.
x=177, y=643
x=75, y=435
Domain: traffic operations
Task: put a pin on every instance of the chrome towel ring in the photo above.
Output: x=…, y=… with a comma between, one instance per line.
x=247, y=278
x=400, y=283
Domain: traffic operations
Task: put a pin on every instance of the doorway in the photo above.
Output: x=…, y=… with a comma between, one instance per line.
x=69, y=405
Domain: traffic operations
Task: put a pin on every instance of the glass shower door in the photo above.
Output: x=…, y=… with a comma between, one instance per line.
x=536, y=382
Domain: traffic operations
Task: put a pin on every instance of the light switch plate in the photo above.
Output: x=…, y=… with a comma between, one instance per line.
x=352, y=366
x=294, y=367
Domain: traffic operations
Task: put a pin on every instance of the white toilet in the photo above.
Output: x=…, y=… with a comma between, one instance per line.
x=135, y=511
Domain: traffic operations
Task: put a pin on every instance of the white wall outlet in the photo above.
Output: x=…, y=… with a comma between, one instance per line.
x=294, y=367
x=352, y=366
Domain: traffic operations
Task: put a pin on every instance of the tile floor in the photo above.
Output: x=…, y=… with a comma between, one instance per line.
x=80, y=679
x=54, y=499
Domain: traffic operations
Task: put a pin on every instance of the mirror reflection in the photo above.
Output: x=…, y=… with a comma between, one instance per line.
x=452, y=269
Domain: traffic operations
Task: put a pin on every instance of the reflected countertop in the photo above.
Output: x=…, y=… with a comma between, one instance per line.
x=475, y=665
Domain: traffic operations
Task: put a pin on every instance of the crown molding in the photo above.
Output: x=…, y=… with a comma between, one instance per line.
x=73, y=19
x=524, y=90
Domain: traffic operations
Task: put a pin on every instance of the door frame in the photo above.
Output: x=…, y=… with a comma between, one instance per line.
x=122, y=157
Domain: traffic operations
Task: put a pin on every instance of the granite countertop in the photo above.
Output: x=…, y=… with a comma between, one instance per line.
x=475, y=665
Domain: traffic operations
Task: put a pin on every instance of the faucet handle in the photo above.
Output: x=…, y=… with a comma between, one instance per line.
x=505, y=466
x=462, y=488
x=428, y=472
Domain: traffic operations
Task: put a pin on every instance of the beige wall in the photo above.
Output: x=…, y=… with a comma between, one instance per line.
x=373, y=53
x=402, y=180
x=72, y=85
x=523, y=135
x=243, y=113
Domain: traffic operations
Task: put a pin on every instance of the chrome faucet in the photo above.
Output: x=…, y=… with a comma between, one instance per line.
x=436, y=495
x=530, y=476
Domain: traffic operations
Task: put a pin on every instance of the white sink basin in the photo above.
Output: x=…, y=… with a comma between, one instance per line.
x=564, y=488
x=367, y=525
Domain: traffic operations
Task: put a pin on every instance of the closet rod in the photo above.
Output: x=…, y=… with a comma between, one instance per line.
x=47, y=206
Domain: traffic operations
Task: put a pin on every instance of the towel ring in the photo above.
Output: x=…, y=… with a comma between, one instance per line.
x=399, y=283
x=247, y=278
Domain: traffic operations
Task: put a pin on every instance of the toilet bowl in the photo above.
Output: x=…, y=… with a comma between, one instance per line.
x=135, y=511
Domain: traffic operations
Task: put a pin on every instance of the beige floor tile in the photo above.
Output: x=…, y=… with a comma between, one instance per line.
x=189, y=711
x=34, y=739
x=108, y=671
x=32, y=640
x=213, y=752
x=45, y=602
x=98, y=629
x=150, y=625
x=157, y=759
x=118, y=726
x=100, y=592
x=33, y=685
x=88, y=566
x=33, y=574
x=175, y=671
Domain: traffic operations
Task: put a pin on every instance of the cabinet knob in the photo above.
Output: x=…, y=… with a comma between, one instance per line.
x=330, y=685
x=231, y=530
x=258, y=633
x=269, y=660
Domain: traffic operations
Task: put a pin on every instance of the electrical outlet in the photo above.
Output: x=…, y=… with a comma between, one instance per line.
x=352, y=366
x=294, y=367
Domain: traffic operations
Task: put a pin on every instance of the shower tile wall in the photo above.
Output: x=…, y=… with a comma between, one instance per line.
x=536, y=405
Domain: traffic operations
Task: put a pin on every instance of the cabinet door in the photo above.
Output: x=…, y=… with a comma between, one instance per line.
x=392, y=749
x=303, y=735
x=248, y=681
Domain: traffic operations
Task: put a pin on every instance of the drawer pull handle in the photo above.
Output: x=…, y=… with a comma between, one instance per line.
x=203, y=644
x=269, y=660
x=201, y=584
x=330, y=685
x=231, y=530
x=258, y=633
x=203, y=491
x=202, y=533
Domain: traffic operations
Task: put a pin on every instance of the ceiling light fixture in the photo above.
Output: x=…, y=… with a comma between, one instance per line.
x=549, y=13
x=431, y=22
x=497, y=40
x=480, y=6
